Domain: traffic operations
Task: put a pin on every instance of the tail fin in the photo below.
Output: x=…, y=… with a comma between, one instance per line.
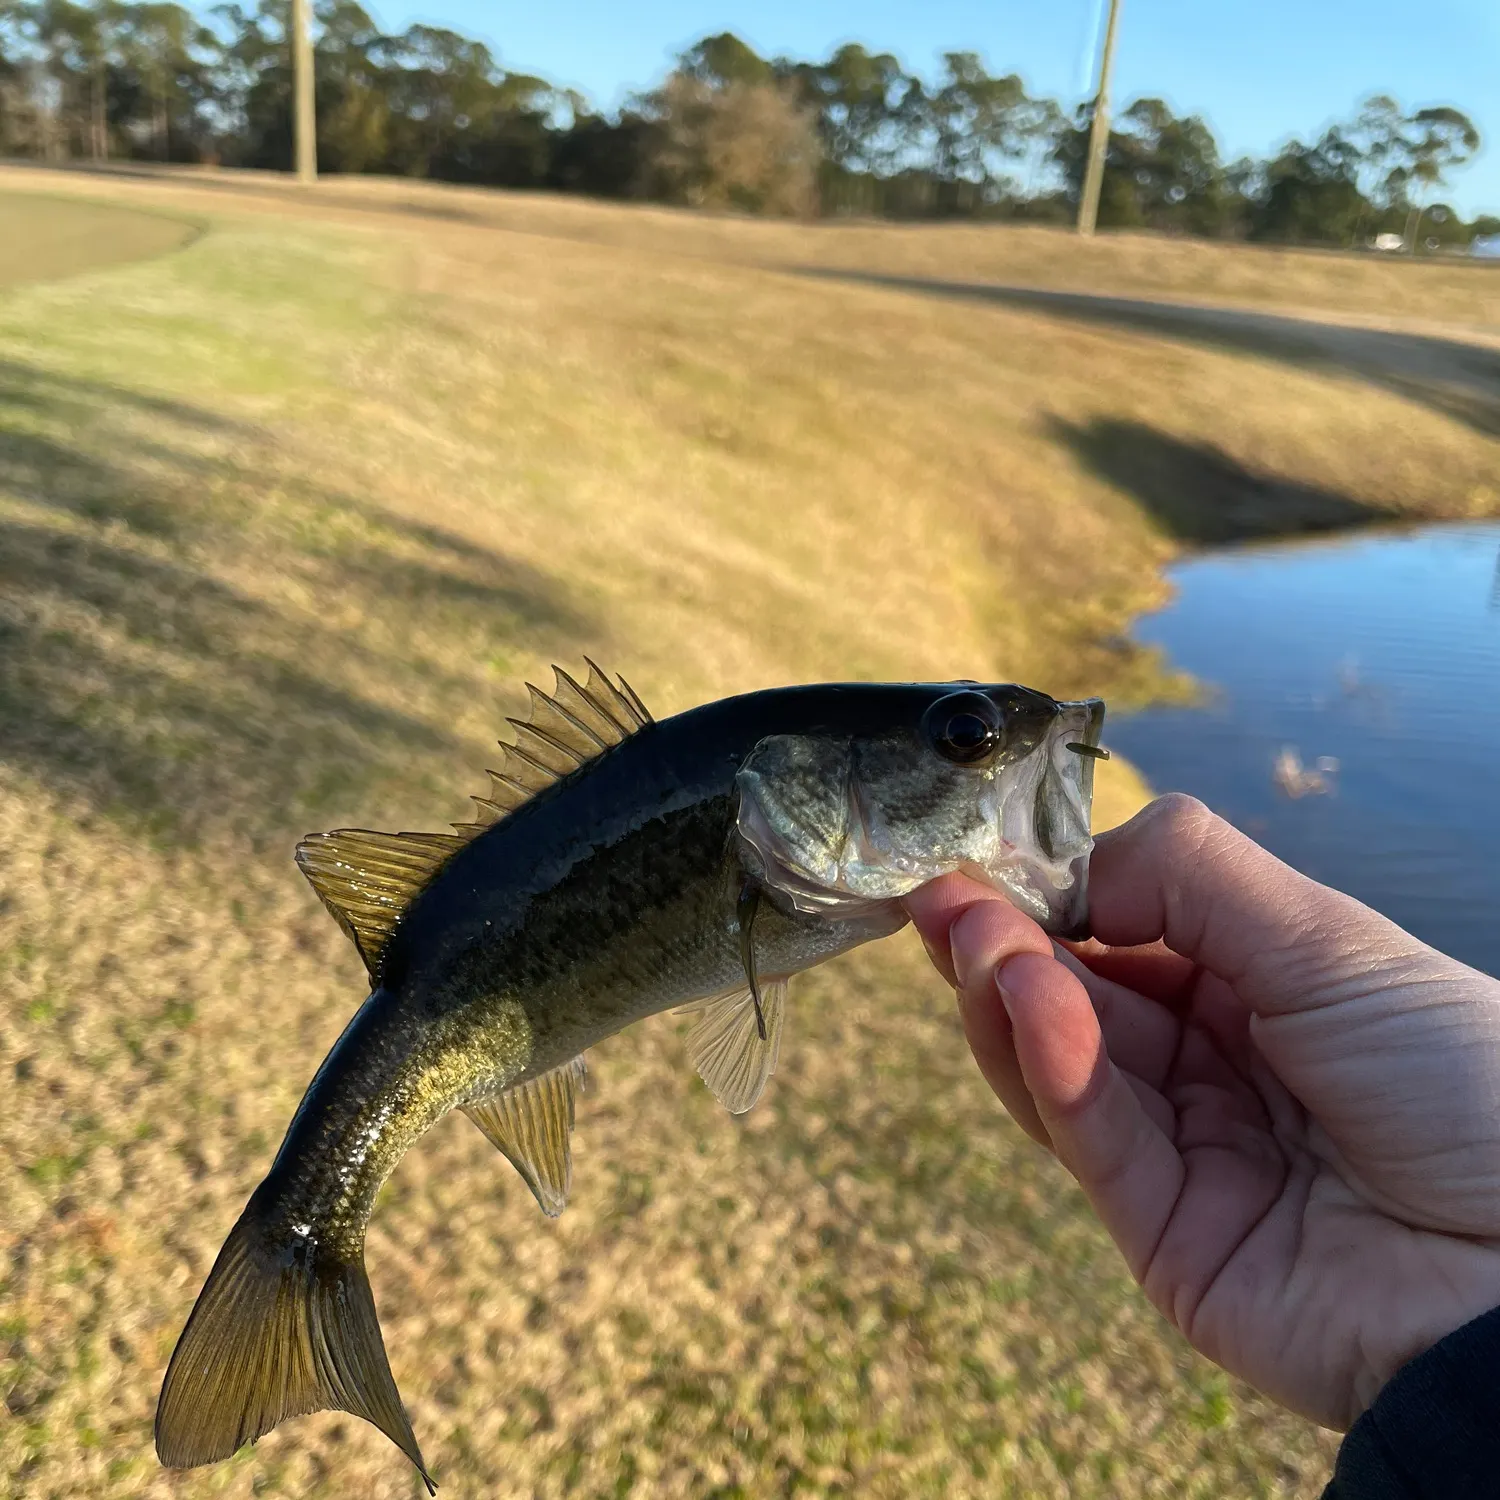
x=278, y=1330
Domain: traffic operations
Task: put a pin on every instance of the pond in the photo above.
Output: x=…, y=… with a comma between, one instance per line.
x=1352, y=717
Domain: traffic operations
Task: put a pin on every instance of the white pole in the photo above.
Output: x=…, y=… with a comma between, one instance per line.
x=1093, y=177
x=304, y=127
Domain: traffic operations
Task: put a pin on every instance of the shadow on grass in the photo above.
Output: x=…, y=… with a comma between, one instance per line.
x=1201, y=495
x=1461, y=380
x=186, y=639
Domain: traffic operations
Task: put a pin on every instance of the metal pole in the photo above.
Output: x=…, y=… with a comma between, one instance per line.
x=1093, y=177
x=304, y=129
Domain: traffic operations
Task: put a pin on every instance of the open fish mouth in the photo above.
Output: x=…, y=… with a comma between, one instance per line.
x=1056, y=892
x=839, y=830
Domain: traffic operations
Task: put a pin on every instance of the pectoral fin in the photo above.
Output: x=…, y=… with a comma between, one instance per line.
x=745, y=910
x=532, y=1124
x=731, y=1052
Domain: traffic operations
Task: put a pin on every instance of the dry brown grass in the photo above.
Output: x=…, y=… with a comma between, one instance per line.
x=284, y=519
x=1355, y=284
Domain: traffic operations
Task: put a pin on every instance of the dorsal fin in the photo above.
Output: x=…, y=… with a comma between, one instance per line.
x=368, y=879
x=564, y=730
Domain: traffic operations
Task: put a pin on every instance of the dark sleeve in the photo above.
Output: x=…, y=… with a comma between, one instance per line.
x=1434, y=1431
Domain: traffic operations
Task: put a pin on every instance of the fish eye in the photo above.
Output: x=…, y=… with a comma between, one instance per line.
x=964, y=727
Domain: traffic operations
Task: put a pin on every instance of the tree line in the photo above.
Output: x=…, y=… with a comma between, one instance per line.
x=855, y=134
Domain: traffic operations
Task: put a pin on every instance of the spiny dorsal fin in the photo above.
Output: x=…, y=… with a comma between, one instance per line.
x=726, y=1046
x=368, y=879
x=565, y=729
x=532, y=1124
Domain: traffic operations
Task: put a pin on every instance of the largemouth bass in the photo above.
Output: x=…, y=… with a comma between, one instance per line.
x=619, y=867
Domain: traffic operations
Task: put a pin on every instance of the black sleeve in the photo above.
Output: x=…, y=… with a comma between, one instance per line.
x=1434, y=1431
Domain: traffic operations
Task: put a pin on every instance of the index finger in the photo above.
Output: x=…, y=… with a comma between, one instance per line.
x=970, y=930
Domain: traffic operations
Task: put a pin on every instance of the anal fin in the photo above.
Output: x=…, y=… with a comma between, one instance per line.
x=533, y=1124
x=727, y=1046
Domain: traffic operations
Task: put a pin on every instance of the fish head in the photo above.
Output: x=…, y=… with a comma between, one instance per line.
x=955, y=776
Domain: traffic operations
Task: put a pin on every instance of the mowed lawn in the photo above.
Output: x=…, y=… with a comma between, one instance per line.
x=286, y=516
x=44, y=238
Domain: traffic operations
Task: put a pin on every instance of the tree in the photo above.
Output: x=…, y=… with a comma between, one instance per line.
x=855, y=132
x=351, y=96
x=1437, y=140
x=603, y=157
x=720, y=62
x=982, y=126
x=162, y=80
x=726, y=136
x=863, y=104
x=1405, y=159
x=1161, y=171
x=256, y=83
x=73, y=42
x=859, y=98
x=1378, y=134
x=1312, y=194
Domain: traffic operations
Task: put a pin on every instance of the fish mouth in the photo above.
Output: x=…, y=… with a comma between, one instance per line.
x=1076, y=751
x=1088, y=752
x=1045, y=817
x=1028, y=836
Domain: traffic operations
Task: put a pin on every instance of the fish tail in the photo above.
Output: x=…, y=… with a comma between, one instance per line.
x=281, y=1327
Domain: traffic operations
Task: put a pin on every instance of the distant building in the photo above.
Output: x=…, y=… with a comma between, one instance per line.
x=1389, y=242
x=1485, y=246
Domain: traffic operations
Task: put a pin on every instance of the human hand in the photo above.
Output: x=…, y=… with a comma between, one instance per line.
x=1285, y=1109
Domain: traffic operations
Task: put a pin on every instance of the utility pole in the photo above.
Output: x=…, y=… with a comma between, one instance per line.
x=1093, y=177
x=304, y=128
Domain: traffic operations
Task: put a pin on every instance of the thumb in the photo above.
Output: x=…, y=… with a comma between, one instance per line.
x=1105, y=1127
x=1178, y=873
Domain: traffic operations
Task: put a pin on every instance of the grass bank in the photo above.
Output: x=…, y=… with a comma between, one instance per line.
x=284, y=520
x=1353, y=284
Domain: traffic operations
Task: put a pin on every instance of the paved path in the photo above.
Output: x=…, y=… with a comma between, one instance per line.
x=1455, y=372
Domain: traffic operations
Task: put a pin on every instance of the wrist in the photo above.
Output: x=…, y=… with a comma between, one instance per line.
x=1403, y=1358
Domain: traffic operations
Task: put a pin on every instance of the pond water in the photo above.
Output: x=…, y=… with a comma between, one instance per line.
x=1380, y=652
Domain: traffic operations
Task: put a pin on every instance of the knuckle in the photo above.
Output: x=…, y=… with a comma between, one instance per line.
x=1182, y=819
x=1174, y=826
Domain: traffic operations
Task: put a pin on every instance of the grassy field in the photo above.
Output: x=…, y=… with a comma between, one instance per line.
x=46, y=238
x=1335, y=284
x=285, y=518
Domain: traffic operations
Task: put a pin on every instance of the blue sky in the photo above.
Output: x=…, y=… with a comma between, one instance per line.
x=1259, y=70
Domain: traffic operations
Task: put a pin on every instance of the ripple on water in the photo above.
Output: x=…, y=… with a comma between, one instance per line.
x=1381, y=650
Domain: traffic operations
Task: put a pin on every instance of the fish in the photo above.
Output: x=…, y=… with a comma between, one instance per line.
x=619, y=867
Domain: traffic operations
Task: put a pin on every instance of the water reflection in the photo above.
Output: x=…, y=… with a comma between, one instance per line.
x=1379, y=655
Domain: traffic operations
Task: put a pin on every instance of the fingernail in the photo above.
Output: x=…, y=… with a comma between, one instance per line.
x=960, y=955
x=1007, y=1000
